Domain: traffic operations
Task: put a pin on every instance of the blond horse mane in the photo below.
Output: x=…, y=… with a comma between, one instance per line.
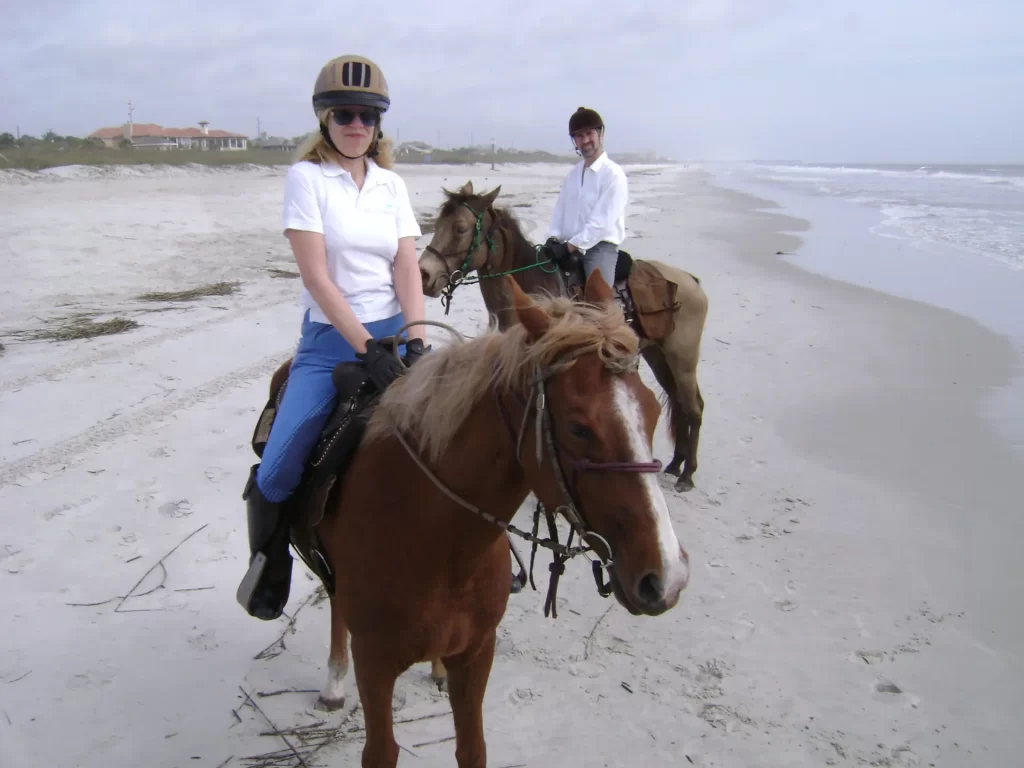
x=430, y=403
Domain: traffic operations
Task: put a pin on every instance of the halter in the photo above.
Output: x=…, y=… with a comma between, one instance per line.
x=460, y=275
x=571, y=508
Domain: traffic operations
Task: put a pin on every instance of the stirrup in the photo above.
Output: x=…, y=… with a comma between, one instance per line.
x=251, y=580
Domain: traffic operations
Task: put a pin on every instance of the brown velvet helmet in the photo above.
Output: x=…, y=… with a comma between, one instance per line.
x=584, y=118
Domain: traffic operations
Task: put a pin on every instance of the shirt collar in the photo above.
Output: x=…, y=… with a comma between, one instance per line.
x=599, y=163
x=373, y=176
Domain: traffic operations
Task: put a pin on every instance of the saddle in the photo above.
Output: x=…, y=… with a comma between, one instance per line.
x=326, y=465
x=647, y=298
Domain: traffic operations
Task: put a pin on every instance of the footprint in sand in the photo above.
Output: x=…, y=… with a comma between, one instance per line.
x=160, y=453
x=744, y=628
x=176, y=508
x=905, y=756
x=204, y=641
x=886, y=686
x=216, y=474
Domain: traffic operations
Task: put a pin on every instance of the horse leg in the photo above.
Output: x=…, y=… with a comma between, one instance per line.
x=656, y=359
x=376, y=674
x=332, y=696
x=467, y=683
x=692, y=408
x=439, y=674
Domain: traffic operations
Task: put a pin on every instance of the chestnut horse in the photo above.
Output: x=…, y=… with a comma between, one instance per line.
x=471, y=234
x=417, y=532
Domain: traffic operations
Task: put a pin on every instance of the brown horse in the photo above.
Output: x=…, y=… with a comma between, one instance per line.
x=471, y=234
x=417, y=532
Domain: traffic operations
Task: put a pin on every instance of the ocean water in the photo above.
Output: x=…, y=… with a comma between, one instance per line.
x=977, y=209
x=949, y=236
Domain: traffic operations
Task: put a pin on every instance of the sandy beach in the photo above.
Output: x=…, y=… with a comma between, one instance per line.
x=853, y=534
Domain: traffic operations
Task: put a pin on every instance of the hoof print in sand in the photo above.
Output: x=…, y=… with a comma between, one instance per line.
x=887, y=686
x=744, y=628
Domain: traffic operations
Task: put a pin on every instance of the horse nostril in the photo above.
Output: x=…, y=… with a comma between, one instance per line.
x=649, y=590
x=424, y=276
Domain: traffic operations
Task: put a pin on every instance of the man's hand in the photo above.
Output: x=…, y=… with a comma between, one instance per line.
x=556, y=249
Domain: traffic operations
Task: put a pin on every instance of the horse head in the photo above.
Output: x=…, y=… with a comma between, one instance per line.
x=589, y=451
x=463, y=239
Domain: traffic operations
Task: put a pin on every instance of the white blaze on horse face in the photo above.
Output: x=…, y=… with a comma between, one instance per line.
x=674, y=570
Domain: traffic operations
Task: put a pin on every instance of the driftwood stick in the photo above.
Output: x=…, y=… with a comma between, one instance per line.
x=586, y=646
x=272, y=650
x=159, y=563
x=249, y=699
x=432, y=743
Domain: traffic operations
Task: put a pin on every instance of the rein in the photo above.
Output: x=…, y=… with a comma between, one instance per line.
x=461, y=277
x=570, y=510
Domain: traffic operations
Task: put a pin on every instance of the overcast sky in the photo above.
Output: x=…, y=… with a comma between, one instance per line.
x=814, y=80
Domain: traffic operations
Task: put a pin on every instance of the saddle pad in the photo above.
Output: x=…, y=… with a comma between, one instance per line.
x=654, y=298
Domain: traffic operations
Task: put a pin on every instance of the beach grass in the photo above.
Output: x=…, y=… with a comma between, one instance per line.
x=81, y=326
x=202, y=291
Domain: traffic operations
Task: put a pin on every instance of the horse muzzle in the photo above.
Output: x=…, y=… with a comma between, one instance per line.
x=433, y=275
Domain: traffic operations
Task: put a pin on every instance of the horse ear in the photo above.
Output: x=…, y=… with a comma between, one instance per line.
x=596, y=289
x=467, y=188
x=490, y=197
x=532, y=317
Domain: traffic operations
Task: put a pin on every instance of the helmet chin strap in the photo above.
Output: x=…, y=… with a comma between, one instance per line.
x=371, y=151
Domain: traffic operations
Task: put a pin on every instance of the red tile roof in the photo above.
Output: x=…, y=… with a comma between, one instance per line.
x=151, y=130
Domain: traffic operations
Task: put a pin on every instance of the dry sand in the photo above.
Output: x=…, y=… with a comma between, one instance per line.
x=852, y=534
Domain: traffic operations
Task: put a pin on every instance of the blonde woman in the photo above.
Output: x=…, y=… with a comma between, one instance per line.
x=352, y=231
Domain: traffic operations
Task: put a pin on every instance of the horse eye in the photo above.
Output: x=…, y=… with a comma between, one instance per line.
x=579, y=431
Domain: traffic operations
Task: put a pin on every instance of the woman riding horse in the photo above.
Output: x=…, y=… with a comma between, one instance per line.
x=352, y=230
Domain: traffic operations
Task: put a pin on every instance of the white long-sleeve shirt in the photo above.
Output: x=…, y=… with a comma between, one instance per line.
x=591, y=206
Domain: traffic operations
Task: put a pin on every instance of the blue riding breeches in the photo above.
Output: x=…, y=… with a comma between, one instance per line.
x=308, y=401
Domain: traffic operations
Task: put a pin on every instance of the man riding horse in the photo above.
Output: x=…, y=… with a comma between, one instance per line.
x=590, y=214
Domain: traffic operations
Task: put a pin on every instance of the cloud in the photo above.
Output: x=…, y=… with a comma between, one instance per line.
x=795, y=79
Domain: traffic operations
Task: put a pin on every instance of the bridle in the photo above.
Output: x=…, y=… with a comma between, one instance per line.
x=456, y=278
x=571, y=508
x=461, y=275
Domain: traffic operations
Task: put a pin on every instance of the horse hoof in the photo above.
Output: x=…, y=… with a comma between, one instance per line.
x=675, y=468
x=330, y=705
x=441, y=683
x=684, y=485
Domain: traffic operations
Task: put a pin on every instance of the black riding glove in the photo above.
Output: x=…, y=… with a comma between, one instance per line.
x=414, y=350
x=380, y=364
x=558, y=251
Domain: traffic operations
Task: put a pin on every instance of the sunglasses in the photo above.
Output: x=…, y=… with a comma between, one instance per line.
x=369, y=117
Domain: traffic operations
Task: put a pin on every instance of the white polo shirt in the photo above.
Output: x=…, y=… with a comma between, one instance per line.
x=361, y=229
x=591, y=206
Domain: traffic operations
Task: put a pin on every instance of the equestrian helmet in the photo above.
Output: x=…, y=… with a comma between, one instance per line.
x=584, y=118
x=350, y=81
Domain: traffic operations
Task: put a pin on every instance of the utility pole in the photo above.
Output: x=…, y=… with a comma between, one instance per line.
x=131, y=111
x=259, y=135
x=492, y=153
